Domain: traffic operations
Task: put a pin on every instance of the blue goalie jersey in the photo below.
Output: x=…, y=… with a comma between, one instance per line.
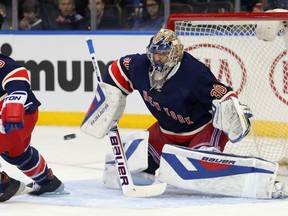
x=185, y=100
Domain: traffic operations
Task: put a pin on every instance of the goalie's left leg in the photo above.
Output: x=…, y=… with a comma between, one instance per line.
x=111, y=179
x=219, y=174
x=136, y=150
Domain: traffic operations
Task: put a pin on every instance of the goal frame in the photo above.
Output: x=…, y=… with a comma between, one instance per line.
x=224, y=17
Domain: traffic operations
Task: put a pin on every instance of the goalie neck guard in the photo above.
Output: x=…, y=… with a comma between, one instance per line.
x=165, y=43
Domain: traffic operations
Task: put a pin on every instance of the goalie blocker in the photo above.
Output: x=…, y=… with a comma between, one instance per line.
x=212, y=173
x=106, y=109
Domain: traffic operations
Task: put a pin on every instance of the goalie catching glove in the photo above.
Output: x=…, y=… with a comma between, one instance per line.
x=231, y=117
x=12, y=113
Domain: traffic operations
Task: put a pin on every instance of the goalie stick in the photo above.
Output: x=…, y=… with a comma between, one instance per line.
x=126, y=182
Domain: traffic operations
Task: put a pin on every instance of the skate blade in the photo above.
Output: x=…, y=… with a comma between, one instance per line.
x=56, y=193
x=23, y=189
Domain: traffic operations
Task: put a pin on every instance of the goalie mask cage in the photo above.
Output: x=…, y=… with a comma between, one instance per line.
x=257, y=70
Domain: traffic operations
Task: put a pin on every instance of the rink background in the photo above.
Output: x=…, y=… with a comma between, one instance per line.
x=79, y=164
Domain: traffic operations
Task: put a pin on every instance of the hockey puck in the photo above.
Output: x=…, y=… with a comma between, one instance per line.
x=69, y=136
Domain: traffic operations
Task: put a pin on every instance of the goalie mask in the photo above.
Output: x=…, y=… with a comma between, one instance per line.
x=165, y=50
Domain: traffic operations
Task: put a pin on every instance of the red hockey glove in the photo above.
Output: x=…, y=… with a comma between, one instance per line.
x=13, y=111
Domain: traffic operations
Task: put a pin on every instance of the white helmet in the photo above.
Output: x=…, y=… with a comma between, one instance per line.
x=168, y=43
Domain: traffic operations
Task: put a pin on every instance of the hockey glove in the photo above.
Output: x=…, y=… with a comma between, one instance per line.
x=231, y=117
x=12, y=113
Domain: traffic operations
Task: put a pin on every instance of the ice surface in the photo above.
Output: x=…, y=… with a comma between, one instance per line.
x=79, y=164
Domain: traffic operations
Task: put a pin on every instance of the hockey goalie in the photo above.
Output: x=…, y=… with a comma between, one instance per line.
x=196, y=116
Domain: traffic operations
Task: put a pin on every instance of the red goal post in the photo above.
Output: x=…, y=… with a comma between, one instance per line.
x=256, y=69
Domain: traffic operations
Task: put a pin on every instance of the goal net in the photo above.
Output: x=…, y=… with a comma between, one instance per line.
x=257, y=70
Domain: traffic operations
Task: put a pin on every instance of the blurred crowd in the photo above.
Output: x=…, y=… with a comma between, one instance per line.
x=115, y=14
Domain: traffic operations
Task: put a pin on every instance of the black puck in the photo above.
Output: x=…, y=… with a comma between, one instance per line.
x=69, y=136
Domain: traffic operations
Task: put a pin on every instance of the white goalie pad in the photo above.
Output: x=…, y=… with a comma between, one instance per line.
x=136, y=151
x=268, y=30
x=231, y=117
x=106, y=109
x=210, y=173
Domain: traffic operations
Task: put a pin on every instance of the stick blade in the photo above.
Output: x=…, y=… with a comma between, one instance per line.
x=145, y=190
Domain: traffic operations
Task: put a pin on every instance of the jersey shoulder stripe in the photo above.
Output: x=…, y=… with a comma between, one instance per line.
x=120, y=78
x=20, y=74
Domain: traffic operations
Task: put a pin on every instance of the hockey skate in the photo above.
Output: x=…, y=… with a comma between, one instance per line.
x=52, y=186
x=279, y=191
x=10, y=187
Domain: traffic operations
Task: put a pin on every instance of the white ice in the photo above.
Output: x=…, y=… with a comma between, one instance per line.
x=79, y=164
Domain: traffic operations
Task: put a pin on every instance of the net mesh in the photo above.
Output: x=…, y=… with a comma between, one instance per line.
x=257, y=70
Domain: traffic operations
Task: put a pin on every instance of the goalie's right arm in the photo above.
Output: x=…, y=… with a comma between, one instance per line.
x=106, y=109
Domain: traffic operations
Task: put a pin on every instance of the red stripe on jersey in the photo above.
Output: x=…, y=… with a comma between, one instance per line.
x=119, y=77
x=38, y=169
x=17, y=74
x=2, y=63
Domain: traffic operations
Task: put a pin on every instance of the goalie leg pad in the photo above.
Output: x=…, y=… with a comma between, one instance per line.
x=106, y=109
x=136, y=150
x=208, y=172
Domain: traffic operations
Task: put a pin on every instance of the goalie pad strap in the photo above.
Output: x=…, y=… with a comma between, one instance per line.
x=106, y=109
x=217, y=173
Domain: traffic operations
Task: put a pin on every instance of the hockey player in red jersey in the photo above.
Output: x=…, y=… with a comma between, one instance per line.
x=19, y=114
